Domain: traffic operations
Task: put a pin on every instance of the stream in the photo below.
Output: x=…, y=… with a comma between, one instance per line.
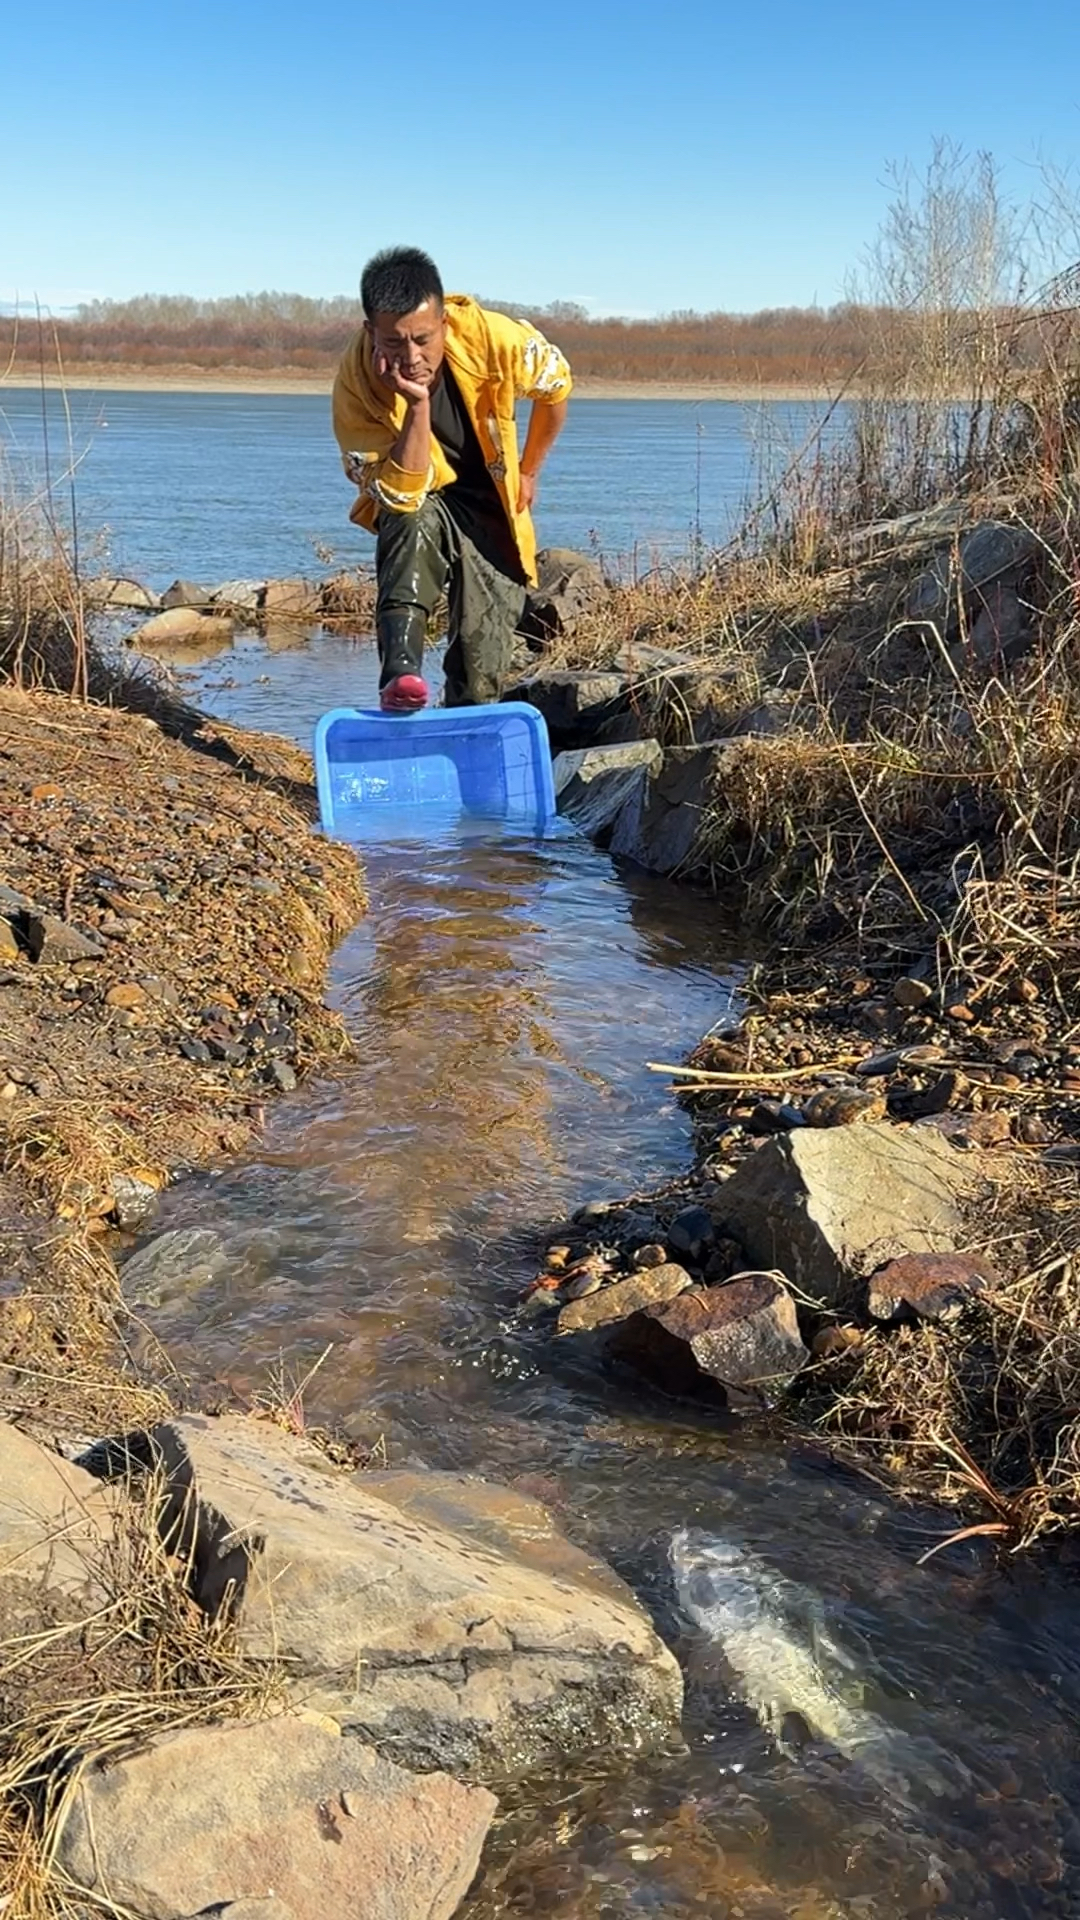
x=503, y=998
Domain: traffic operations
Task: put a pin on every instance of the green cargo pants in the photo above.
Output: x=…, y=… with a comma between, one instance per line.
x=419, y=556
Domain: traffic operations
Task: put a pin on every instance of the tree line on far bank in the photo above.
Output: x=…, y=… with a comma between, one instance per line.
x=289, y=333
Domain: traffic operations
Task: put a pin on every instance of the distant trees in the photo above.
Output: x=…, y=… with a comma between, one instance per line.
x=287, y=332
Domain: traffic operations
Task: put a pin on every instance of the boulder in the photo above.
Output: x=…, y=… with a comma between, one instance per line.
x=568, y=586
x=927, y=1286
x=445, y=1620
x=575, y=705
x=239, y=596
x=55, y=1519
x=183, y=627
x=645, y=1288
x=291, y=599
x=1003, y=626
x=593, y=784
x=113, y=591
x=282, y=1819
x=186, y=593
x=660, y=826
x=828, y=1205
x=172, y=1266
x=743, y=1335
x=961, y=573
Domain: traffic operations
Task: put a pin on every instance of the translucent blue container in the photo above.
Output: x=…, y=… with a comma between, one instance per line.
x=406, y=776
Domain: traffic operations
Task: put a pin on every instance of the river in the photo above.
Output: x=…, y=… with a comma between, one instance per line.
x=503, y=1000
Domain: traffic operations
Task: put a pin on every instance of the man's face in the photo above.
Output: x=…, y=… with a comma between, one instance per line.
x=412, y=344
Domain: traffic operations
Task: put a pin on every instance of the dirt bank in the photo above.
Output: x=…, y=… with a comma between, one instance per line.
x=108, y=378
x=164, y=934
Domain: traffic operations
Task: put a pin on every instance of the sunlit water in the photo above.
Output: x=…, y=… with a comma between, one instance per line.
x=503, y=1000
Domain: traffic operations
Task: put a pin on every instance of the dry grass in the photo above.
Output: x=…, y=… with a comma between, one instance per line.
x=97, y=1680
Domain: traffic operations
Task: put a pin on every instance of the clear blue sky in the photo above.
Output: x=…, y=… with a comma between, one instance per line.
x=637, y=157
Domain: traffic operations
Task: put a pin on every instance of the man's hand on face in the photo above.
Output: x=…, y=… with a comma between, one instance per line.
x=526, y=492
x=390, y=373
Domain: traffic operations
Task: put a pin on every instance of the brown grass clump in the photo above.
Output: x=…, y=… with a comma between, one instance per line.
x=94, y=1680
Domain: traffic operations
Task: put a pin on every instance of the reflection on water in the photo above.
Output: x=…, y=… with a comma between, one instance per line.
x=503, y=999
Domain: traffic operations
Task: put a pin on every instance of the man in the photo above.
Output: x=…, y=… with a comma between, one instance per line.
x=424, y=416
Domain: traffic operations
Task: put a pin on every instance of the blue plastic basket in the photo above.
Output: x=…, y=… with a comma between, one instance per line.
x=394, y=776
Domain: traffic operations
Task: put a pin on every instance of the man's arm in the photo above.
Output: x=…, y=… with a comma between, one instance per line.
x=546, y=422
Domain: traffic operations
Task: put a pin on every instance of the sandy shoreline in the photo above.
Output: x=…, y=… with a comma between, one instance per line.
x=154, y=380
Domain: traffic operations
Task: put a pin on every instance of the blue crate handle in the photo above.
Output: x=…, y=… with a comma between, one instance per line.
x=383, y=775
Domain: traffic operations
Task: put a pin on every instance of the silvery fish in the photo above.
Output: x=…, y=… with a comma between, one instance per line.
x=788, y=1667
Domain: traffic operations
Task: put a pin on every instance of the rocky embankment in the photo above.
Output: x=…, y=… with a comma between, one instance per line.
x=865, y=767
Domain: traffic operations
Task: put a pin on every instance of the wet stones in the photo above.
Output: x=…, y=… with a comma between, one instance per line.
x=743, y=1335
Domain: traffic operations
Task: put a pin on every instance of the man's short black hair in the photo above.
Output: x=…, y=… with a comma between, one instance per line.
x=399, y=280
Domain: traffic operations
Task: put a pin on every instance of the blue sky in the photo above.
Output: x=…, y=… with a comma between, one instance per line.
x=636, y=157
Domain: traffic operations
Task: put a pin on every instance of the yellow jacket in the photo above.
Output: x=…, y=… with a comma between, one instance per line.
x=495, y=361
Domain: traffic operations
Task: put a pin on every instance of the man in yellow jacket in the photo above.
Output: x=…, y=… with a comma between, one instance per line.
x=424, y=416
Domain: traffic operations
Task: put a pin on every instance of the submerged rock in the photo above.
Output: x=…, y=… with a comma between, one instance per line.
x=826, y=1205
x=183, y=626
x=743, y=1334
x=445, y=1620
x=172, y=1266
x=282, y=1818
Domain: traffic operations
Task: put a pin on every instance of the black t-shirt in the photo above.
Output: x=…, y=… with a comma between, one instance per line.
x=473, y=499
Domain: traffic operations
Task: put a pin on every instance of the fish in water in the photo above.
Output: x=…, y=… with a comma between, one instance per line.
x=788, y=1667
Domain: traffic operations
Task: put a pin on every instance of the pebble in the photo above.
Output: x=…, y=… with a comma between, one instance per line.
x=842, y=1106
x=652, y=1255
x=912, y=993
x=829, y=1342
x=126, y=994
x=584, y=1284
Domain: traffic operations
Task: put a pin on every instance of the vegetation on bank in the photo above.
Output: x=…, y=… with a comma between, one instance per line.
x=901, y=621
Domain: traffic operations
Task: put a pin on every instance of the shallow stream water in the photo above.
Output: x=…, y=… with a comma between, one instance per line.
x=503, y=999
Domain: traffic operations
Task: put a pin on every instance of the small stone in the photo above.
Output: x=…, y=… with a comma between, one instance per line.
x=583, y=1284
x=112, y=927
x=282, y=1076
x=912, y=993
x=829, y=1342
x=133, y=1200
x=623, y=1297
x=692, y=1234
x=1023, y=992
x=842, y=1106
x=126, y=995
x=9, y=945
x=160, y=990
x=557, y=1258
x=960, y=1011
x=46, y=791
x=53, y=942
x=196, y=1050
x=914, y=1103
x=8, y=1090
x=652, y=1255
x=930, y=1286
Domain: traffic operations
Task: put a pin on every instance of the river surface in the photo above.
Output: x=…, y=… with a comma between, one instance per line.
x=504, y=999
x=210, y=486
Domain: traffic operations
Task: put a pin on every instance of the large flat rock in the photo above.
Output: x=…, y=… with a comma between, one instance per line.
x=828, y=1205
x=55, y=1519
x=282, y=1812
x=444, y=1619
